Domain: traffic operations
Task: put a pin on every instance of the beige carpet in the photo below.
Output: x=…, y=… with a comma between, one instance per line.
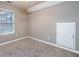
x=32, y=48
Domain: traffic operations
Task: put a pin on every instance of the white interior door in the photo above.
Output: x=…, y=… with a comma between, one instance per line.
x=66, y=34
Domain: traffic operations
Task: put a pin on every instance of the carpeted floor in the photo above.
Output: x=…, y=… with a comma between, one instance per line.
x=32, y=48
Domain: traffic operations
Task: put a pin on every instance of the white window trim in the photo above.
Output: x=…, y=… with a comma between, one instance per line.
x=6, y=10
x=7, y=33
x=13, y=23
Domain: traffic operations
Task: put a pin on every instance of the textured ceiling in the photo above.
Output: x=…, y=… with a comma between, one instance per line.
x=24, y=4
x=31, y=5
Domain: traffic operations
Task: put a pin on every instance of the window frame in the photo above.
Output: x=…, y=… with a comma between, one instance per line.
x=7, y=33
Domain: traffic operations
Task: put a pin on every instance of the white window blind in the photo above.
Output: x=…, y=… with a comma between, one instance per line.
x=6, y=22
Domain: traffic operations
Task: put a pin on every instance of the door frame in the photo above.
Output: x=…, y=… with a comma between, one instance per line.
x=74, y=43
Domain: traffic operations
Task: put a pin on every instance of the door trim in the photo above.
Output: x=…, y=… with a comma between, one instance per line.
x=74, y=43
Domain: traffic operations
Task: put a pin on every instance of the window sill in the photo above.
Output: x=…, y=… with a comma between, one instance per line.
x=7, y=33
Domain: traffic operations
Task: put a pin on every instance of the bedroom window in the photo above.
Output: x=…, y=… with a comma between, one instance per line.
x=6, y=22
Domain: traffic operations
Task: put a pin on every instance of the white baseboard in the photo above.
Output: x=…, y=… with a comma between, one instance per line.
x=52, y=44
x=12, y=41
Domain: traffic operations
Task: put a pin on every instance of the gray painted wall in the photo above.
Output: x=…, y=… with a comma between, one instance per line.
x=20, y=23
x=42, y=23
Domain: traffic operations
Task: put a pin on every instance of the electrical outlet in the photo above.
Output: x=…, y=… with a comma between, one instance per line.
x=48, y=37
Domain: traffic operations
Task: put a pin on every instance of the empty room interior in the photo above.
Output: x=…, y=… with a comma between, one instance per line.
x=39, y=29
